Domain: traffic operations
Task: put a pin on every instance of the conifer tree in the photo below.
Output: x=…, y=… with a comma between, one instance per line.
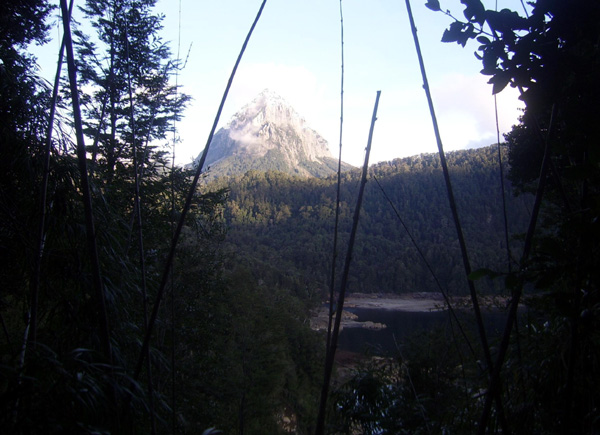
x=125, y=50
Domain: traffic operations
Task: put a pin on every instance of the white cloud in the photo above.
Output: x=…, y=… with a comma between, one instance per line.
x=464, y=109
x=296, y=84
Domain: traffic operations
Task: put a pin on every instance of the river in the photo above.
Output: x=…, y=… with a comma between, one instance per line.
x=401, y=325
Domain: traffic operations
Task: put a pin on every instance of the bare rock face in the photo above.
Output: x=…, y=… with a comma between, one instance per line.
x=268, y=134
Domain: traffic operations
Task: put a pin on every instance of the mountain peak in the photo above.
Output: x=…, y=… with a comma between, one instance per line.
x=268, y=134
x=267, y=107
x=270, y=97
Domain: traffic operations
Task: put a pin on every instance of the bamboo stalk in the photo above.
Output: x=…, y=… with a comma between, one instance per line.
x=502, y=189
x=509, y=257
x=110, y=150
x=140, y=232
x=188, y=202
x=514, y=305
x=337, y=201
x=453, y=208
x=85, y=190
x=172, y=219
x=435, y=278
x=330, y=355
x=461, y=239
x=37, y=261
x=144, y=154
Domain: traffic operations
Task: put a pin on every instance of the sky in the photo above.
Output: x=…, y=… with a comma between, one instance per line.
x=295, y=51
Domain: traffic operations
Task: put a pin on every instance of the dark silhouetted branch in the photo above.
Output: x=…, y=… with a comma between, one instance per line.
x=330, y=354
x=85, y=189
x=459, y=232
x=188, y=203
x=37, y=260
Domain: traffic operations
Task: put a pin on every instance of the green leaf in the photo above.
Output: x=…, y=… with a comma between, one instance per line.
x=505, y=21
x=489, y=61
x=499, y=81
x=474, y=11
x=434, y=5
x=459, y=32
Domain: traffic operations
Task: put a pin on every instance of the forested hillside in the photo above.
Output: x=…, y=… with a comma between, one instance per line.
x=282, y=226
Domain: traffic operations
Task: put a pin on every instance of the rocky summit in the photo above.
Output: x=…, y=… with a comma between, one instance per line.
x=268, y=134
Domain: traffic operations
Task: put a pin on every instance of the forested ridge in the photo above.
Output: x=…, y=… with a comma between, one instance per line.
x=282, y=225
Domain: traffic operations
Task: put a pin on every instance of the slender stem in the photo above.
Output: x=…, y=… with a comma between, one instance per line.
x=509, y=258
x=435, y=278
x=337, y=200
x=450, y=192
x=172, y=298
x=330, y=354
x=37, y=261
x=139, y=223
x=188, y=203
x=502, y=189
x=459, y=232
x=514, y=305
x=85, y=189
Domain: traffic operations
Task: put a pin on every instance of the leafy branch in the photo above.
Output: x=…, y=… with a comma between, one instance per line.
x=508, y=34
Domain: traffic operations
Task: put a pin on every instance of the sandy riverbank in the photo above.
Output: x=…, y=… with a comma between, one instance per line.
x=412, y=302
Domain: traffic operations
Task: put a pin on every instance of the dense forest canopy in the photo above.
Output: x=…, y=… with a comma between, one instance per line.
x=89, y=203
x=282, y=224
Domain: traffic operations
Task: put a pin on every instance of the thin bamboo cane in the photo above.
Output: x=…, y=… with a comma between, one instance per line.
x=509, y=257
x=85, y=190
x=461, y=239
x=112, y=97
x=459, y=232
x=435, y=278
x=330, y=354
x=144, y=155
x=512, y=313
x=337, y=200
x=502, y=189
x=444, y=293
x=37, y=261
x=188, y=202
x=140, y=230
x=172, y=218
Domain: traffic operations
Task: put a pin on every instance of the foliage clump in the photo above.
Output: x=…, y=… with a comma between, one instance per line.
x=224, y=351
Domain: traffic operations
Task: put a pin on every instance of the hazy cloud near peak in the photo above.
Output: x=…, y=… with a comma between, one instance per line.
x=464, y=107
